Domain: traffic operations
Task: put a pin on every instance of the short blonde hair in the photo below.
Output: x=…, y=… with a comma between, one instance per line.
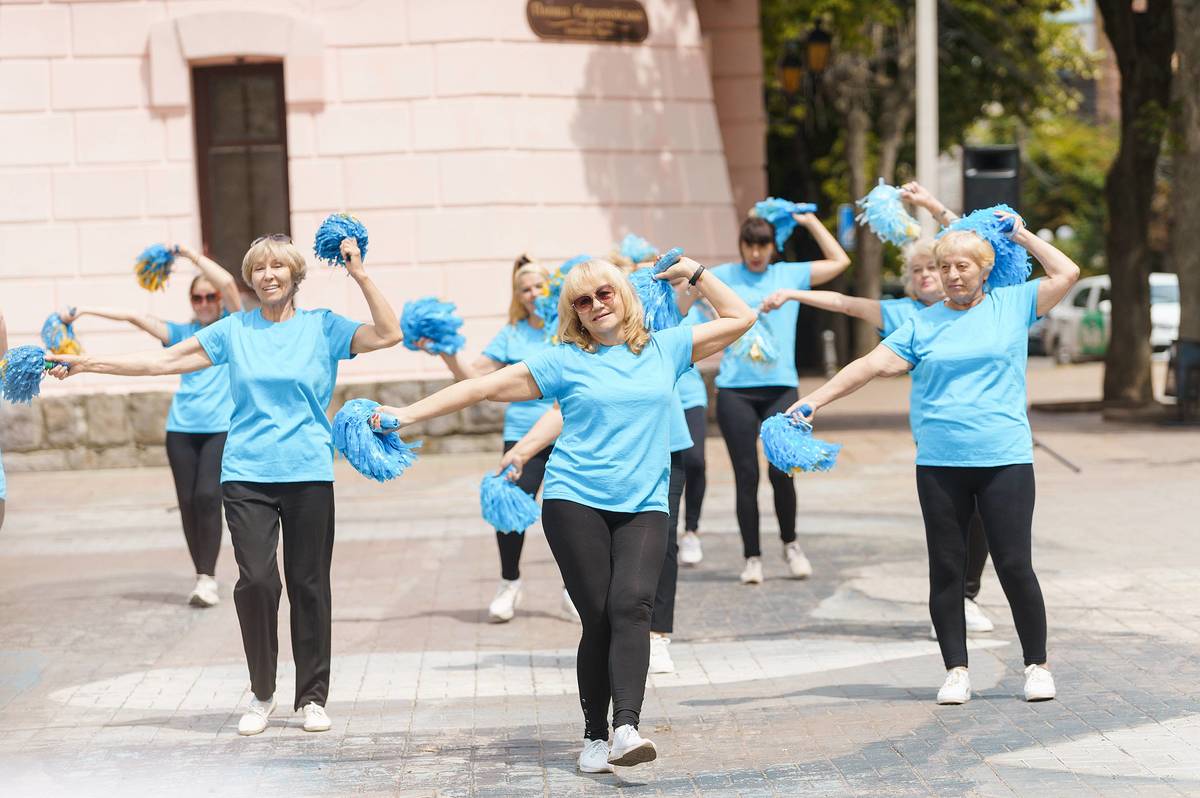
x=922, y=247
x=269, y=249
x=587, y=277
x=965, y=242
x=516, y=308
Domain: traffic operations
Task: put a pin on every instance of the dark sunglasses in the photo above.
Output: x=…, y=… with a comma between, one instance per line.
x=583, y=304
x=201, y=299
x=280, y=237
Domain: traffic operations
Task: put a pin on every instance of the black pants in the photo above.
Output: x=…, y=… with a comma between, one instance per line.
x=609, y=563
x=740, y=413
x=1005, y=497
x=694, y=473
x=254, y=512
x=509, y=541
x=663, y=619
x=977, y=556
x=195, y=459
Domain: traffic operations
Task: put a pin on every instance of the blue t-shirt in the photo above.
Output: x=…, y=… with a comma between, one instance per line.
x=692, y=391
x=202, y=403
x=969, y=378
x=281, y=377
x=897, y=311
x=513, y=344
x=754, y=287
x=613, y=452
x=679, y=438
x=3, y=482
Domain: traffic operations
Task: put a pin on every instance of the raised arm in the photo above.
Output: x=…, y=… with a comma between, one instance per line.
x=540, y=435
x=879, y=362
x=866, y=309
x=149, y=324
x=510, y=384
x=836, y=260
x=1061, y=271
x=221, y=280
x=183, y=357
x=384, y=330
x=734, y=316
x=476, y=368
x=916, y=194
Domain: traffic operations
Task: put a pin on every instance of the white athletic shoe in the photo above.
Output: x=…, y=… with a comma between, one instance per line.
x=957, y=687
x=630, y=748
x=568, y=606
x=1039, y=684
x=752, y=573
x=204, y=594
x=690, y=550
x=660, y=657
x=315, y=718
x=798, y=564
x=977, y=622
x=594, y=757
x=508, y=598
x=255, y=719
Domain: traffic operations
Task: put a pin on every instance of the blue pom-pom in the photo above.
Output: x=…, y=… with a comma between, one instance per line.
x=661, y=311
x=433, y=319
x=505, y=506
x=883, y=211
x=757, y=346
x=637, y=249
x=59, y=337
x=377, y=454
x=327, y=245
x=154, y=266
x=1012, y=265
x=21, y=372
x=789, y=445
x=546, y=306
x=779, y=213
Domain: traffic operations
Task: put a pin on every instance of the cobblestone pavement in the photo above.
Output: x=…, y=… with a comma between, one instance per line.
x=110, y=685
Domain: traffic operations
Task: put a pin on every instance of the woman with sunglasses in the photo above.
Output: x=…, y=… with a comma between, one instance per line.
x=198, y=421
x=604, y=506
x=277, y=468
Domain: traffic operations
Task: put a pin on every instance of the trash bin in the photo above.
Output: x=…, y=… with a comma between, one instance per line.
x=1183, y=379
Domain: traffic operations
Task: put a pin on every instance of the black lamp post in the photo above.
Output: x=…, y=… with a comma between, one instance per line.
x=819, y=43
x=791, y=68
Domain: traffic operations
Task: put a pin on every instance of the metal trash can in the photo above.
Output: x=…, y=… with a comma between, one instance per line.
x=1183, y=379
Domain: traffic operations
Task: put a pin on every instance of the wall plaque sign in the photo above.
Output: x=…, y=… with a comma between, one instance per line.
x=588, y=20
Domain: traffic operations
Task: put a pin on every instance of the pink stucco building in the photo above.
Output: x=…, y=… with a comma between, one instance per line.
x=455, y=133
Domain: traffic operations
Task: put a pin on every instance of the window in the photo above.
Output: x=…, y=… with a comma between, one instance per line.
x=241, y=157
x=1082, y=296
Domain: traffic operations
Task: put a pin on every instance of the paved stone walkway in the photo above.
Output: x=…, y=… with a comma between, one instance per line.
x=109, y=685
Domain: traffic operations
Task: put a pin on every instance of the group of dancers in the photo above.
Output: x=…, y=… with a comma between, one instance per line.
x=611, y=418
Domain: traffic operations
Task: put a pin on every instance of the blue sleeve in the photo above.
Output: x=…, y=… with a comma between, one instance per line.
x=895, y=312
x=902, y=341
x=1029, y=299
x=497, y=348
x=339, y=330
x=177, y=332
x=799, y=274
x=676, y=344
x=547, y=370
x=214, y=339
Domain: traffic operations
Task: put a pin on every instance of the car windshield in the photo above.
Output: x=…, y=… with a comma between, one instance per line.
x=1164, y=294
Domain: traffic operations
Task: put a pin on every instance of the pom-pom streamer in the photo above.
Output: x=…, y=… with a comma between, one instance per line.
x=154, y=266
x=779, y=213
x=327, y=244
x=431, y=319
x=546, y=306
x=661, y=311
x=22, y=371
x=377, y=454
x=59, y=337
x=637, y=249
x=789, y=445
x=757, y=345
x=505, y=506
x=1012, y=265
x=883, y=211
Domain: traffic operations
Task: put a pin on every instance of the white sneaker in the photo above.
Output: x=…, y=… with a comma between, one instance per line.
x=630, y=748
x=568, y=606
x=255, y=719
x=957, y=687
x=204, y=594
x=977, y=622
x=594, y=757
x=315, y=718
x=798, y=564
x=690, y=550
x=660, y=657
x=508, y=598
x=1039, y=684
x=752, y=573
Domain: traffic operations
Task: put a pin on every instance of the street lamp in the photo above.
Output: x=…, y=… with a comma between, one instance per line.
x=819, y=44
x=791, y=68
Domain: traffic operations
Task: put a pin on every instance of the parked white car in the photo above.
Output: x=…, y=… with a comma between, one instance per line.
x=1078, y=328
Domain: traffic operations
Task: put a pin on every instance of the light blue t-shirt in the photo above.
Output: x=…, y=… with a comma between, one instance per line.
x=753, y=287
x=513, y=344
x=202, y=403
x=692, y=391
x=613, y=452
x=969, y=379
x=281, y=377
x=894, y=313
x=679, y=438
x=3, y=482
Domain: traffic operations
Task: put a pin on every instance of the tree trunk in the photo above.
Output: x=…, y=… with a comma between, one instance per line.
x=1185, y=231
x=1143, y=44
x=870, y=250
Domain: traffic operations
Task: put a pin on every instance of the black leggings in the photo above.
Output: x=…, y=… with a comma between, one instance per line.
x=977, y=556
x=740, y=413
x=663, y=619
x=1004, y=496
x=610, y=563
x=195, y=459
x=510, y=542
x=693, y=468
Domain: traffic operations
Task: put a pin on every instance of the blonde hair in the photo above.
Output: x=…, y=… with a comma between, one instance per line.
x=516, y=308
x=284, y=252
x=965, y=242
x=583, y=279
x=920, y=247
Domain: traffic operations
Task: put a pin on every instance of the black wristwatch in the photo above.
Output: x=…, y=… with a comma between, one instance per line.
x=696, y=275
